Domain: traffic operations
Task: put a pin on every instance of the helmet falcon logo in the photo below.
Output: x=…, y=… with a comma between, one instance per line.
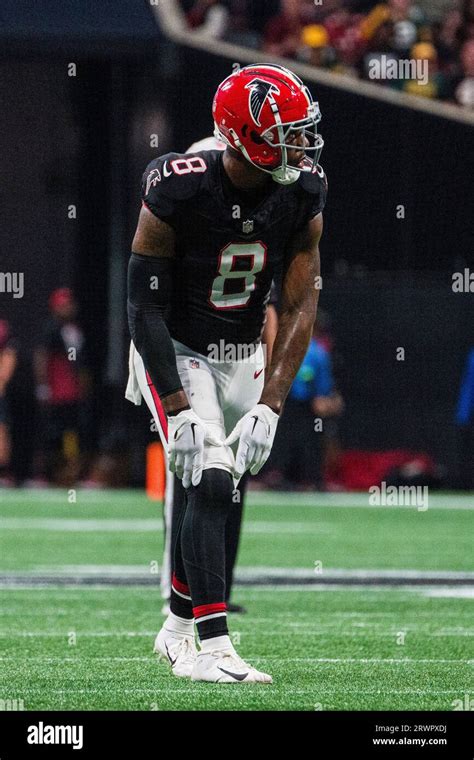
x=260, y=90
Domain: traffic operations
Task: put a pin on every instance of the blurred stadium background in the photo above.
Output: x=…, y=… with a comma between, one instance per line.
x=90, y=95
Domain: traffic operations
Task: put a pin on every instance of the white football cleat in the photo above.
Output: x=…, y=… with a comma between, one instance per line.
x=180, y=652
x=226, y=666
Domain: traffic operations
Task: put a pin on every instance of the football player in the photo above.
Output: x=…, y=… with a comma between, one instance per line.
x=214, y=230
x=175, y=497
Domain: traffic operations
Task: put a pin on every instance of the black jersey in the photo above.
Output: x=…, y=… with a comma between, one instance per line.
x=229, y=244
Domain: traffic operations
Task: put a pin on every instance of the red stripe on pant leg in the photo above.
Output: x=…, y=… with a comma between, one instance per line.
x=209, y=609
x=158, y=405
x=181, y=587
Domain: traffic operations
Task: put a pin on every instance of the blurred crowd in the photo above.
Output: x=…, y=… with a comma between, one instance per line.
x=49, y=392
x=350, y=37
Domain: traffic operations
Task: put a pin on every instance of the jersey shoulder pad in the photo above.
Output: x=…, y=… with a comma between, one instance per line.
x=171, y=178
x=314, y=186
x=312, y=181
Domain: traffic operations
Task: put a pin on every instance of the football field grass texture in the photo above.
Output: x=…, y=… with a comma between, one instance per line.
x=74, y=635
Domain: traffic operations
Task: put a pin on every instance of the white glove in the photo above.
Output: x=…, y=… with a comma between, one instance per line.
x=186, y=436
x=256, y=431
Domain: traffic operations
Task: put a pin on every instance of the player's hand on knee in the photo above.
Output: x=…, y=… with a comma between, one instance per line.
x=187, y=434
x=256, y=432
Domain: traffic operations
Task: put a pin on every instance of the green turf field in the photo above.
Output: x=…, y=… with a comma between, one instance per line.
x=74, y=636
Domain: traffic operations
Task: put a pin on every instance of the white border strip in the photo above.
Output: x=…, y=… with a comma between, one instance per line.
x=172, y=21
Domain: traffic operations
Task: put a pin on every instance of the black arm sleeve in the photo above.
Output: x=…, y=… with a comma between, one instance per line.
x=149, y=290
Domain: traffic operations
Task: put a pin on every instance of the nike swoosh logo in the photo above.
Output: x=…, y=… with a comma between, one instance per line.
x=165, y=170
x=193, y=425
x=169, y=656
x=256, y=420
x=237, y=676
x=257, y=373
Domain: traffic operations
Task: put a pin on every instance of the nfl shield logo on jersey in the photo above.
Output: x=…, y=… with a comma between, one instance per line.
x=247, y=226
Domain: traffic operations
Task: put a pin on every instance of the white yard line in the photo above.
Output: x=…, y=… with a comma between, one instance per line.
x=358, y=500
x=247, y=573
x=255, y=498
x=49, y=587
x=82, y=525
x=314, y=689
x=321, y=631
x=275, y=658
x=298, y=573
x=365, y=661
x=449, y=593
x=144, y=525
x=84, y=634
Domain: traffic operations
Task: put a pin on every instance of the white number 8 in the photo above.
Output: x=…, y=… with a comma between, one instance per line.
x=257, y=254
x=193, y=165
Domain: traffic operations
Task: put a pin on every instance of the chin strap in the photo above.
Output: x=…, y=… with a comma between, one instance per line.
x=285, y=176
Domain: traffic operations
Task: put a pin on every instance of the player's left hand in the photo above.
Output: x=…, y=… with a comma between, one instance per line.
x=256, y=431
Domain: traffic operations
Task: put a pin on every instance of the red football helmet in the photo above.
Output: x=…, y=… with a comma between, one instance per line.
x=262, y=111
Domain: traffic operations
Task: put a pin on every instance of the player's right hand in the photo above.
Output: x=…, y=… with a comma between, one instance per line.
x=186, y=436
